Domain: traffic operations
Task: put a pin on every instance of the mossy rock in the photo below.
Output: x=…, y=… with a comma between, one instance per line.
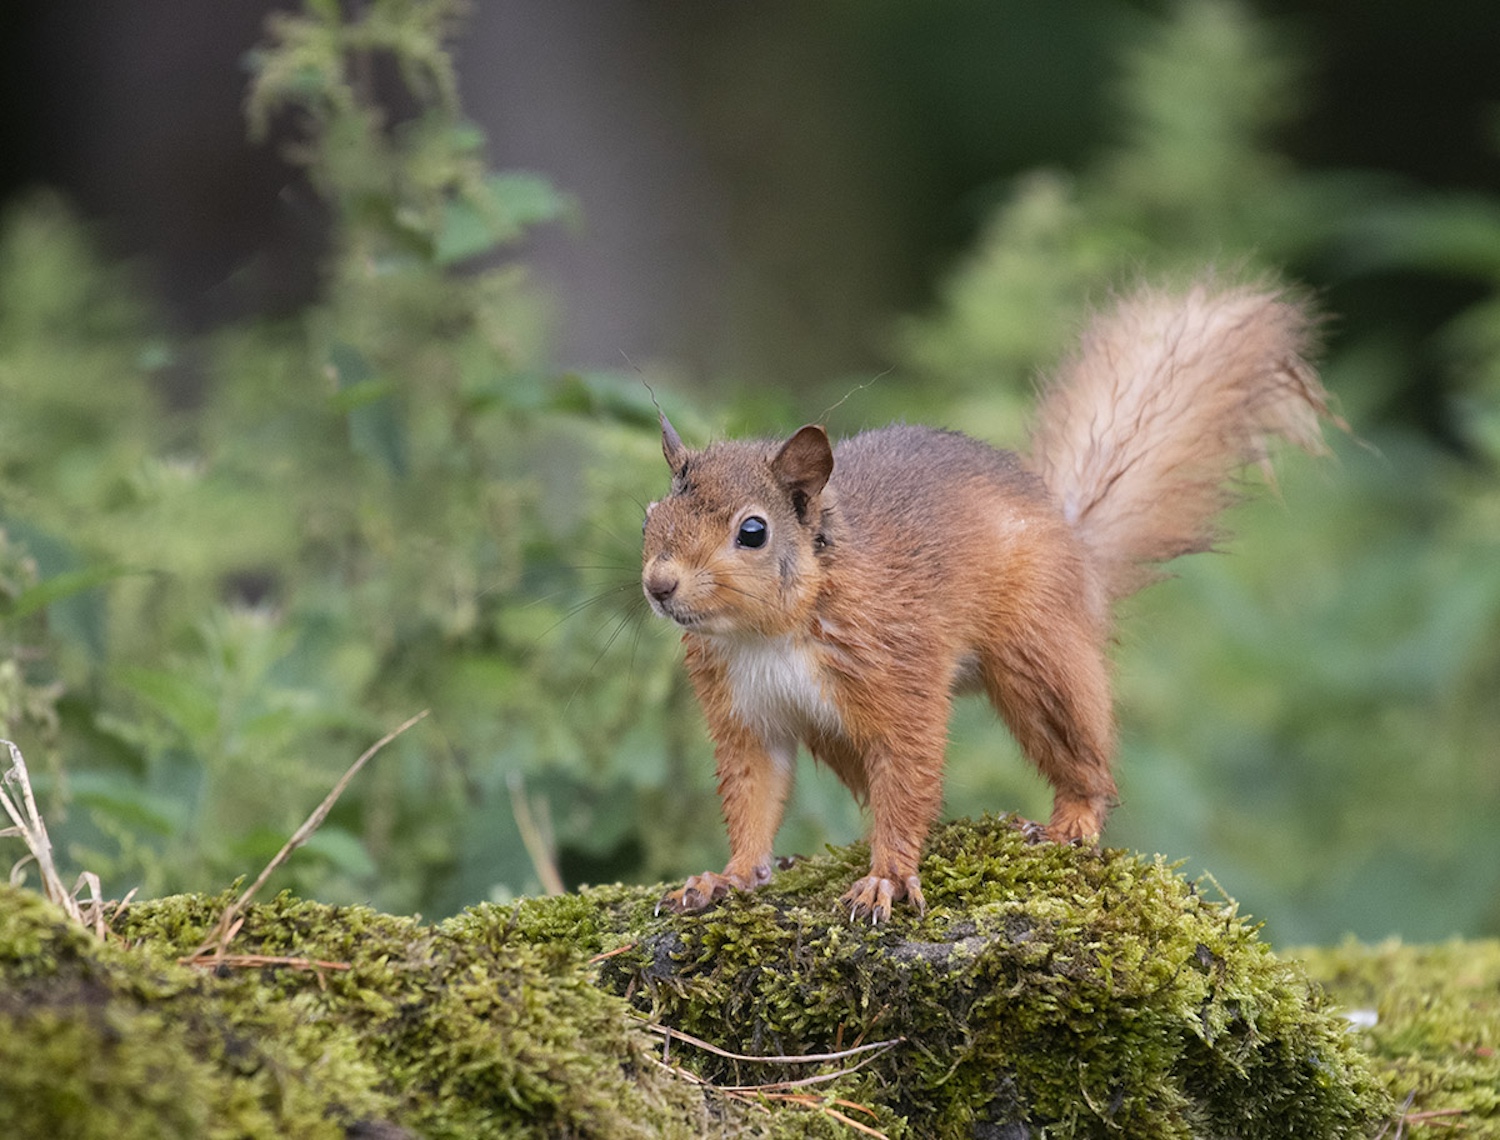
x=1049, y=991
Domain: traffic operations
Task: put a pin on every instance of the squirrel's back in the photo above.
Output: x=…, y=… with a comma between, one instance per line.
x=1135, y=441
x=941, y=541
x=906, y=477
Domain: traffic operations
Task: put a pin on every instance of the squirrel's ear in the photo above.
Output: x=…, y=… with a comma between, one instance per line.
x=671, y=444
x=804, y=462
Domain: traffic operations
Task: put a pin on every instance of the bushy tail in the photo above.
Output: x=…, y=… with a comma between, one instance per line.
x=1167, y=396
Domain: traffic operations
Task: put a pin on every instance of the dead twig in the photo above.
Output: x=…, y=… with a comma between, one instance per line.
x=778, y=1090
x=829, y=1110
x=1398, y=1119
x=230, y=921
x=825, y=1105
x=254, y=961
x=1435, y=1116
x=218, y=962
x=779, y=1087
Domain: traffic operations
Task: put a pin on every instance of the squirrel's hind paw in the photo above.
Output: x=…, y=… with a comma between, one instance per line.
x=1079, y=822
x=872, y=896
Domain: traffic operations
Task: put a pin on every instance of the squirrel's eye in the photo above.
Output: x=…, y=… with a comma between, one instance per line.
x=752, y=532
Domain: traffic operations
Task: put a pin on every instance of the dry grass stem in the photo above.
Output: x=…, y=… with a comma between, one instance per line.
x=32, y=830
x=535, y=825
x=230, y=921
x=1432, y=1118
x=827, y=1109
x=1444, y=1117
x=800, y=1059
x=611, y=953
x=757, y=1095
x=255, y=961
x=780, y=1087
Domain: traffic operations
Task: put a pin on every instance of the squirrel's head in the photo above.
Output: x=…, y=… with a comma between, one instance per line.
x=734, y=547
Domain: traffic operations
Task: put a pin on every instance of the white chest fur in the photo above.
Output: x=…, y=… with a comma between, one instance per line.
x=776, y=687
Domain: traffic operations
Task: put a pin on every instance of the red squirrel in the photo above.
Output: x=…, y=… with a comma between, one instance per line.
x=838, y=597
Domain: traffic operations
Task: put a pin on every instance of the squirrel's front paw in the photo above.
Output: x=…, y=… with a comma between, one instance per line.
x=871, y=897
x=701, y=892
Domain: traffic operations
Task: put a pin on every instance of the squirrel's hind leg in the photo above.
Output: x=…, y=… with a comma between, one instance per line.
x=1051, y=685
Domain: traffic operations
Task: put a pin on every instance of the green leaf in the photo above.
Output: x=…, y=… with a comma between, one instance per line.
x=1455, y=233
x=350, y=368
x=509, y=204
x=180, y=699
x=60, y=586
x=625, y=399
x=118, y=798
x=343, y=849
x=377, y=428
x=527, y=199
x=359, y=395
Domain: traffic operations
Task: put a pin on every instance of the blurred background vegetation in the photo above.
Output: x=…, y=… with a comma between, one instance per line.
x=321, y=402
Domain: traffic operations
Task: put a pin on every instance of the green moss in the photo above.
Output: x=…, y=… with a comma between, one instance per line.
x=435, y=1033
x=474, y=1032
x=100, y=1040
x=1430, y=1018
x=1049, y=991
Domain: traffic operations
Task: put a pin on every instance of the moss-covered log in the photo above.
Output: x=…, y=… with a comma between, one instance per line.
x=1048, y=991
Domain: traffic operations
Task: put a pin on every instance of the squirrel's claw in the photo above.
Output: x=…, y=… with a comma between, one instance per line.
x=1032, y=831
x=872, y=896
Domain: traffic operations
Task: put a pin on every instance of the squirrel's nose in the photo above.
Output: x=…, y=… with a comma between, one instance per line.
x=661, y=584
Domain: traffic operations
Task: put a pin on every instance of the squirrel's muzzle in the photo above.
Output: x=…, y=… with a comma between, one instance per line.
x=661, y=583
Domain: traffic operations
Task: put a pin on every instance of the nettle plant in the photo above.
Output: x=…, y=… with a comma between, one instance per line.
x=386, y=503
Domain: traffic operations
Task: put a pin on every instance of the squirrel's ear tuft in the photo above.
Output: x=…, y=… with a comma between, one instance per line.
x=671, y=444
x=804, y=462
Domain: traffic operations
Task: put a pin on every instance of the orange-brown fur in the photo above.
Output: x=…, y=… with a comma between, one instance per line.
x=908, y=564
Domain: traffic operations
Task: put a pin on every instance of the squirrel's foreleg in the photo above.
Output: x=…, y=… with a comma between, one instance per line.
x=903, y=774
x=754, y=781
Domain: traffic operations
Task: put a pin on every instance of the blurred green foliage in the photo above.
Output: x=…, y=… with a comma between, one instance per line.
x=312, y=529
x=230, y=562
